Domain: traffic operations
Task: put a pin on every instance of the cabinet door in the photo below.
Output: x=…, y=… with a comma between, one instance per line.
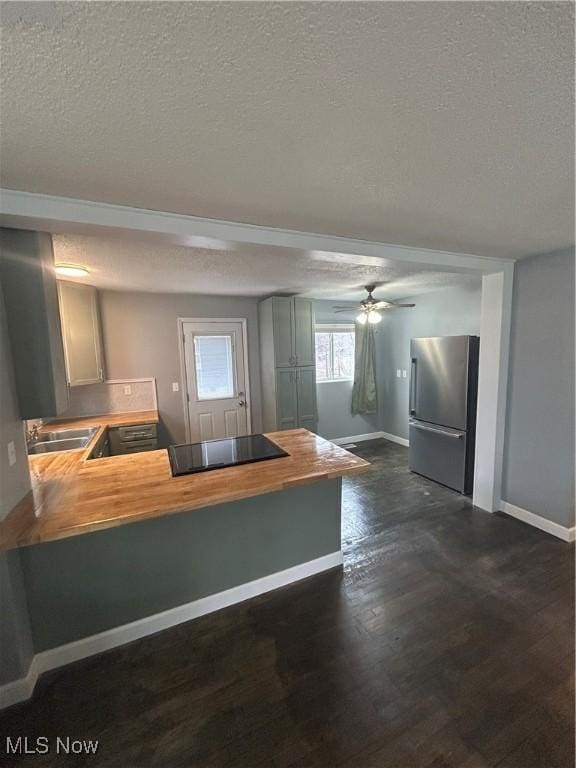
x=33, y=319
x=304, y=332
x=306, y=388
x=283, y=320
x=286, y=399
x=81, y=333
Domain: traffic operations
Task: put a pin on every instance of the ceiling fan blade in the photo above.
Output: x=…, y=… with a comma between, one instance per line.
x=338, y=311
x=391, y=305
x=345, y=309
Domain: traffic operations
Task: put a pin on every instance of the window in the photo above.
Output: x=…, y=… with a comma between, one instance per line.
x=334, y=353
x=214, y=368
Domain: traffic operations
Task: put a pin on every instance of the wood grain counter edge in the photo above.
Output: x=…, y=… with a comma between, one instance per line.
x=72, y=495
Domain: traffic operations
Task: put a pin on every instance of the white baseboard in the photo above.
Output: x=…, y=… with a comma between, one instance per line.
x=356, y=438
x=395, y=439
x=370, y=436
x=555, y=529
x=22, y=689
x=19, y=690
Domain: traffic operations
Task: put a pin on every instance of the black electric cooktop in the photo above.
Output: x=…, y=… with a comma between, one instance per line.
x=215, y=454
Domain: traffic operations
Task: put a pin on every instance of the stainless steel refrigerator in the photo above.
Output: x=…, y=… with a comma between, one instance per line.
x=443, y=391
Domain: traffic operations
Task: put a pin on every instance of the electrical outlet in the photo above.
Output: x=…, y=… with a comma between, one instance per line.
x=398, y=372
x=127, y=389
x=175, y=386
x=11, y=453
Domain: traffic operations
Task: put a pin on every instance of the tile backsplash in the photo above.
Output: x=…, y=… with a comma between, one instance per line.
x=111, y=397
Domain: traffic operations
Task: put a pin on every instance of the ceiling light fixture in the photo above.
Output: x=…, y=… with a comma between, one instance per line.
x=370, y=316
x=371, y=309
x=71, y=270
x=374, y=317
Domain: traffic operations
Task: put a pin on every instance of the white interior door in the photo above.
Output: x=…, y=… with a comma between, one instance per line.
x=216, y=393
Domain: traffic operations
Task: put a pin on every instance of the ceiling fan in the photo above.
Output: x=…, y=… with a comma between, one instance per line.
x=370, y=308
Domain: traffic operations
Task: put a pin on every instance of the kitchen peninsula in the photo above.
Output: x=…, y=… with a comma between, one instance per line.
x=194, y=543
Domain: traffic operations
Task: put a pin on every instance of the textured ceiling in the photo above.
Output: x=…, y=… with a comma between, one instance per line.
x=443, y=125
x=143, y=266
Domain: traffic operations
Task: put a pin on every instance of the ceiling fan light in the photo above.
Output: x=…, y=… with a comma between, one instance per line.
x=374, y=317
x=362, y=317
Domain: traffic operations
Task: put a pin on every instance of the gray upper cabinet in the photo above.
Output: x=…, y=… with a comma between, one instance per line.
x=33, y=318
x=81, y=333
x=304, y=332
x=283, y=325
x=293, y=330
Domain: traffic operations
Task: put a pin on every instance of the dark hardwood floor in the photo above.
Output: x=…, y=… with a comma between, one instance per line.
x=446, y=641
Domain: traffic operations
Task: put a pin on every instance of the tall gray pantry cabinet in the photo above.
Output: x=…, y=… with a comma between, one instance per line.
x=288, y=363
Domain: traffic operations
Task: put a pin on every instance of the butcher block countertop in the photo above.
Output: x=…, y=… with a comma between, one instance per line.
x=72, y=495
x=125, y=419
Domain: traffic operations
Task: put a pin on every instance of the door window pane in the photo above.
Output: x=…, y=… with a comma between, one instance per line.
x=214, y=367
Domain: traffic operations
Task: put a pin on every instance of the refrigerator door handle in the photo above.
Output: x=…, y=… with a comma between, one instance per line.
x=412, y=395
x=454, y=435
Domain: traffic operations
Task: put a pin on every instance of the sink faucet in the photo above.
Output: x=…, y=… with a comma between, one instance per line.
x=32, y=435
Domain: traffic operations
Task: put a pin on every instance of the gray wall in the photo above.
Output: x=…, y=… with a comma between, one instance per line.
x=15, y=639
x=451, y=312
x=140, y=334
x=448, y=312
x=538, y=472
x=16, y=649
x=14, y=481
x=334, y=398
x=112, y=577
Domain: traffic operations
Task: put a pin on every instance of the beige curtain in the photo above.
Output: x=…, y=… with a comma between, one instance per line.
x=364, y=396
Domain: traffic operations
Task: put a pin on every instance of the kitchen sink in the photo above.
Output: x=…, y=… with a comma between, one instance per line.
x=65, y=434
x=51, y=446
x=61, y=440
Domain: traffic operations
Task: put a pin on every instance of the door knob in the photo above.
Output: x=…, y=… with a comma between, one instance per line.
x=242, y=402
